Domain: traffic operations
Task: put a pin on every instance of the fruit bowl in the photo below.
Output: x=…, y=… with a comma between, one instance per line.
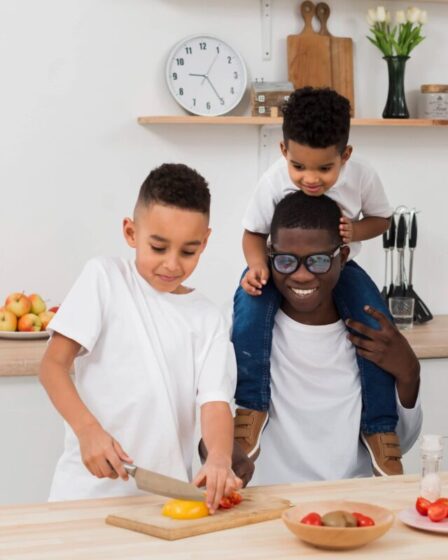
x=336, y=538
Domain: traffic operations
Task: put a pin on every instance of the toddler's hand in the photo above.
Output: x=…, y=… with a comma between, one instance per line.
x=219, y=479
x=254, y=280
x=346, y=229
x=101, y=453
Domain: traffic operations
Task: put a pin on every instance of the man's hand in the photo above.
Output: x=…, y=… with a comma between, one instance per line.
x=388, y=349
x=346, y=229
x=101, y=453
x=219, y=479
x=254, y=279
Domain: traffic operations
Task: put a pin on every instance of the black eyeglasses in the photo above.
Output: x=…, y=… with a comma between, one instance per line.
x=319, y=263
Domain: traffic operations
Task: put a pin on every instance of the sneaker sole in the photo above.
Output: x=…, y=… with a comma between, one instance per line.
x=256, y=449
x=376, y=468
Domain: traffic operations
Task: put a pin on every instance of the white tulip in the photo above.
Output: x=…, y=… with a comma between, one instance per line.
x=413, y=15
x=371, y=16
x=380, y=13
x=423, y=17
x=400, y=16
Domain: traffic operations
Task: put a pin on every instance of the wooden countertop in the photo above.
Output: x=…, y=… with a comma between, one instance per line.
x=22, y=357
x=77, y=530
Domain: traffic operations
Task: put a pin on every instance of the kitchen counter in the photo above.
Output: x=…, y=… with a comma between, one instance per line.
x=22, y=357
x=75, y=530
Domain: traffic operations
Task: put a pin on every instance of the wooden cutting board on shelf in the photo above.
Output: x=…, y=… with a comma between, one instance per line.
x=147, y=518
x=309, y=55
x=341, y=55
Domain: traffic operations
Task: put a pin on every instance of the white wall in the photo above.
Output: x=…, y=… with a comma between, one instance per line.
x=76, y=74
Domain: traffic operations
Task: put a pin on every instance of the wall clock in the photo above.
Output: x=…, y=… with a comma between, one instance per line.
x=205, y=75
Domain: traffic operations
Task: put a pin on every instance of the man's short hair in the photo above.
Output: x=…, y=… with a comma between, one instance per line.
x=299, y=210
x=175, y=184
x=317, y=117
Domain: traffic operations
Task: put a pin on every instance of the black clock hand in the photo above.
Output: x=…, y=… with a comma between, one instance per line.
x=210, y=67
x=200, y=75
x=213, y=88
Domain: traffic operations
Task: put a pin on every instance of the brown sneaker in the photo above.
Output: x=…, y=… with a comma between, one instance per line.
x=384, y=450
x=249, y=425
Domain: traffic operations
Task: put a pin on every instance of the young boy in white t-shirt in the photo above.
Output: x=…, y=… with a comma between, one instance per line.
x=317, y=160
x=147, y=350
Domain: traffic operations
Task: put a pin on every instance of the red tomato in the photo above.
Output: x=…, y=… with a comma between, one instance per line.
x=235, y=498
x=437, y=512
x=363, y=520
x=422, y=505
x=225, y=503
x=443, y=501
x=312, y=518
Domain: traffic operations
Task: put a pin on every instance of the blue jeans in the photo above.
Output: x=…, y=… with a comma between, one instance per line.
x=253, y=323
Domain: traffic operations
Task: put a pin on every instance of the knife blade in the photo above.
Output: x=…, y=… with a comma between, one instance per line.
x=160, y=484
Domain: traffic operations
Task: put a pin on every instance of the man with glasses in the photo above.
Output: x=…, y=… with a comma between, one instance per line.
x=316, y=384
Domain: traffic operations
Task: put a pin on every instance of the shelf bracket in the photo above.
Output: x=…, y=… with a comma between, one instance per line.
x=264, y=141
x=266, y=30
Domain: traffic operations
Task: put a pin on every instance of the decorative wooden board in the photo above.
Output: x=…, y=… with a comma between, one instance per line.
x=309, y=54
x=148, y=518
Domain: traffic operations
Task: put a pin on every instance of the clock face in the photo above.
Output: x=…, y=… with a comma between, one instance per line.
x=206, y=76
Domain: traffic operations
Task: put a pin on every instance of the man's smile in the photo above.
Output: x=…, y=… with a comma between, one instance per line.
x=302, y=293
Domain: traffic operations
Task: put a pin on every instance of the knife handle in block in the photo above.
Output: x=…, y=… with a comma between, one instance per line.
x=401, y=232
x=413, y=231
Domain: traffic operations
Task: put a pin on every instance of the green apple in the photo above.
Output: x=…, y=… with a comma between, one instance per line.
x=8, y=321
x=29, y=323
x=18, y=303
x=46, y=317
x=38, y=305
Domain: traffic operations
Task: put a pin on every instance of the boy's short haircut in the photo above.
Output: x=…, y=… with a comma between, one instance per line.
x=298, y=210
x=317, y=117
x=175, y=184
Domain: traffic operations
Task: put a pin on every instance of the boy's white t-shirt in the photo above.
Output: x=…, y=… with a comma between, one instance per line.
x=315, y=410
x=358, y=192
x=148, y=359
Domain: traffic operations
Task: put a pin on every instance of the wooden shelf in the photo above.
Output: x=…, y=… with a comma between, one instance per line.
x=261, y=121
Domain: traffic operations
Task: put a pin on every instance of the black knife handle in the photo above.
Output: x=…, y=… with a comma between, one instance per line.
x=401, y=232
x=385, y=241
x=413, y=232
x=392, y=231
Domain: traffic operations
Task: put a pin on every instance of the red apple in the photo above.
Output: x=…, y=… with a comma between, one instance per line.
x=46, y=317
x=8, y=321
x=18, y=303
x=38, y=305
x=29, y=323
x=54, y=309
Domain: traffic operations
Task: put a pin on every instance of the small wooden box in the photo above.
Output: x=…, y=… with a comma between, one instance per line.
x=266, y=96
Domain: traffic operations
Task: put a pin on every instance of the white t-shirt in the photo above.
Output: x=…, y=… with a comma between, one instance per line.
x=315, y=411
x=358, y=192
x=147, y=360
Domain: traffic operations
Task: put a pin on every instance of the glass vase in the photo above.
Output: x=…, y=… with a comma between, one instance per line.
x=396, y=100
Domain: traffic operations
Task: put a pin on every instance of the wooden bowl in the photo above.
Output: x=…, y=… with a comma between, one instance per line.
x=335, y=538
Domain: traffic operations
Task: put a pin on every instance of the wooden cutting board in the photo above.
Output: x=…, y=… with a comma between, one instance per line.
x=341, y=49
x=148, y=518
x=309, y=55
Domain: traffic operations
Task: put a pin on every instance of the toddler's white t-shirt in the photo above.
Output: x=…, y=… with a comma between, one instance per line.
x=358, y=192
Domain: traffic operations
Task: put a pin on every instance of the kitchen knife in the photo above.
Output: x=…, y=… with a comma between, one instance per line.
x=156, y=483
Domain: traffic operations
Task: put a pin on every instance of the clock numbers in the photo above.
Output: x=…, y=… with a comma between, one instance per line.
x=232, y=90
x=174, y=75
x=229, y=60
x=181, y=91
x=188, y=50
x=217, y=50
x=203, y=46
x=180, y=61
x=235, y=75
